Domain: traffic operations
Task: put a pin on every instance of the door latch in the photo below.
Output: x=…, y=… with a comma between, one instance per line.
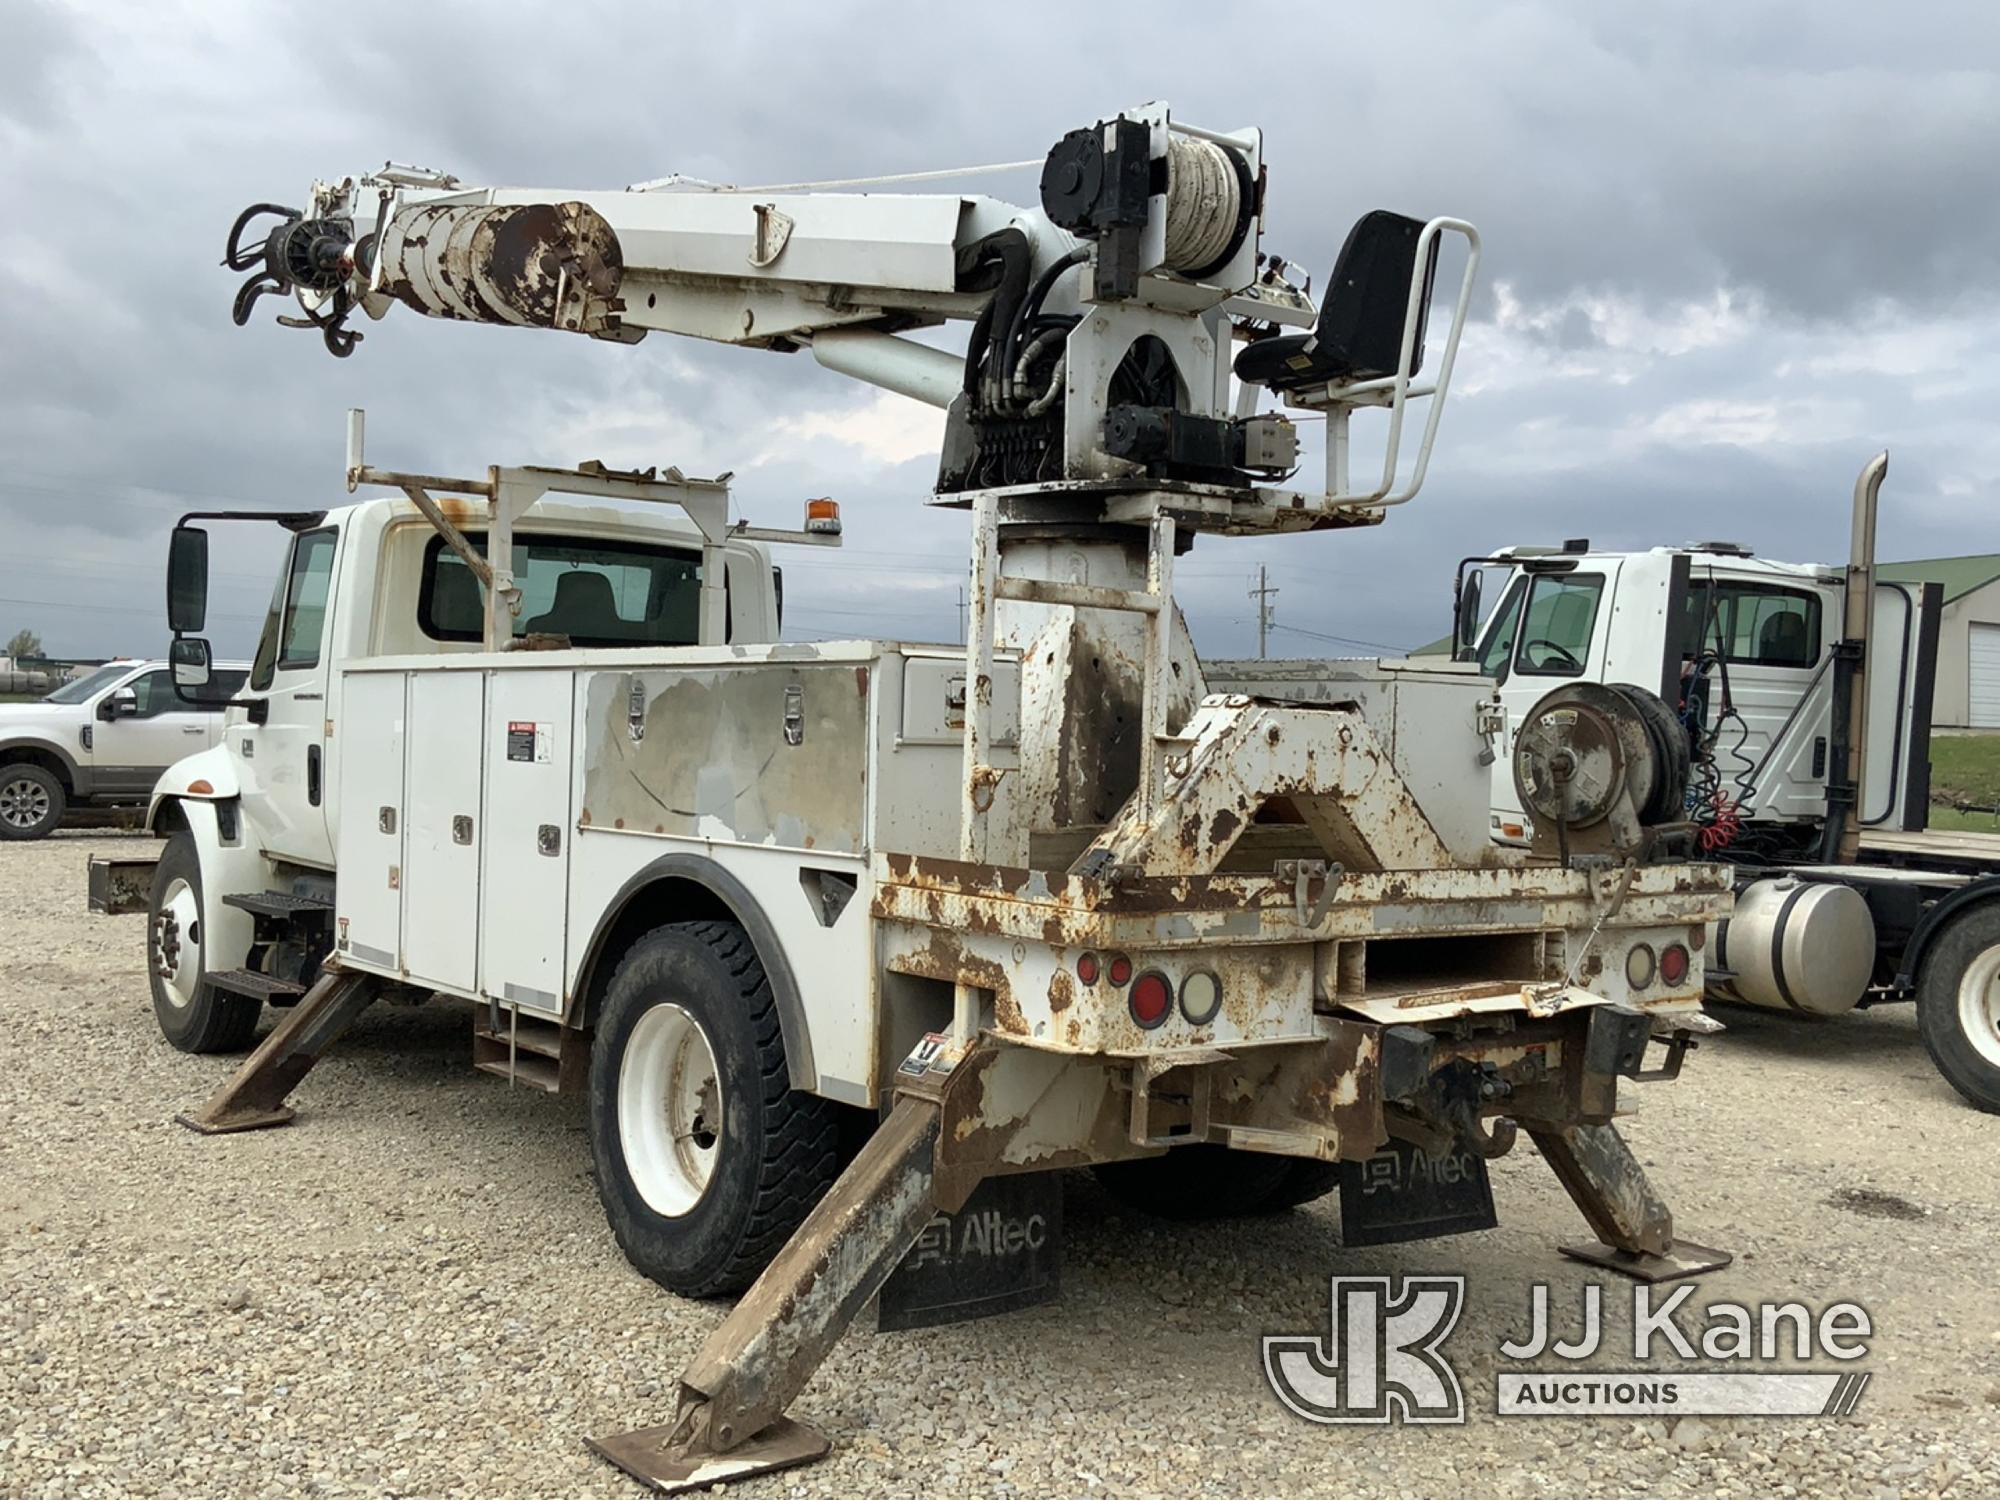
x=635, y=709
x=461, y=829
x=385, y=820
x=795, y=715
x=548, y=839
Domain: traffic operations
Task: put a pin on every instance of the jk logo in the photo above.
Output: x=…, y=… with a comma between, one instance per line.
x=1380, y=1361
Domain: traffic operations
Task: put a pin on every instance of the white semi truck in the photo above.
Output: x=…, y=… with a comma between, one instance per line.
x=1808, y=718
x=1041, y=901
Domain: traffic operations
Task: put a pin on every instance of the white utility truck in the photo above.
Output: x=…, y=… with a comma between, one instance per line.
x=1808, y=719
x=1035, y=902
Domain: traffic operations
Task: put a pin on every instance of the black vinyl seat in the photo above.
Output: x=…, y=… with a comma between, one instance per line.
x=1359, y=335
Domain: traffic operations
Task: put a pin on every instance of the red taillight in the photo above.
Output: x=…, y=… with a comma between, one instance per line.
x=1674, y=964
x=1151, y=998
x=1086, y=967
x=1121, y=970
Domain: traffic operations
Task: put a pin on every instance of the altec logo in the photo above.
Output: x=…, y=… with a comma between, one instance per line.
x=1380, y=1362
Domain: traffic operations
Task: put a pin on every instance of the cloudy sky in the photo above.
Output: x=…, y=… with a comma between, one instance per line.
x=1730, y=251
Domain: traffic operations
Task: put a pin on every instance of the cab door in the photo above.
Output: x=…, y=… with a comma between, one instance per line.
x=281, y=745
x=1551, y=627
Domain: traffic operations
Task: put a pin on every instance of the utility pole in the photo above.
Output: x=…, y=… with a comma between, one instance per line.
x=1263, y=594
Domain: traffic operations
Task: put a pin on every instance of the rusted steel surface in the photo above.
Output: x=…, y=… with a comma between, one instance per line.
x=764, y=1352
x=1327, y=1096
x=537, y=265
x=254, y=1097
x=120, y=886
x=1608, y=1185
x=1010, y=1109
x=1180, y=910
x=753, y=756
x=1241, y=754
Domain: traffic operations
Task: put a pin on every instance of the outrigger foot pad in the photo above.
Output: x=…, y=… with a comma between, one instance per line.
x=1683, y=1258
x=258, y=1119
x=254, y=1097
x=643, y=1453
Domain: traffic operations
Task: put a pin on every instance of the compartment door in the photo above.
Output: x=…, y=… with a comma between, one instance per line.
x=368, y=904
x=524, y=886
x=447, y=723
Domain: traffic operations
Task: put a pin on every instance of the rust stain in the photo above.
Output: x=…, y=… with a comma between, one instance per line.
x=1062, y=990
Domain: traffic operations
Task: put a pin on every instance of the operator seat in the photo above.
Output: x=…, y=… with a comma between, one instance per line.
x=458, y=603
x=1782, y=641
x=1359, y=335
x=583, y=606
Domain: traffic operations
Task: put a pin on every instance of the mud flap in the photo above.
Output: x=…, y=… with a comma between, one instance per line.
x=1002, y=1251
x=1404, y=1192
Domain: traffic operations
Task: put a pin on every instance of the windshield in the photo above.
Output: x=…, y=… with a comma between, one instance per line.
x=85, y=687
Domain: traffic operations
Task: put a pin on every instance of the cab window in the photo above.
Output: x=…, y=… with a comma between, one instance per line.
x=1498, y=651
x=1558, y=624
x=1753, y=625
x=305, y=600
x=594, y=593
x=297, y=619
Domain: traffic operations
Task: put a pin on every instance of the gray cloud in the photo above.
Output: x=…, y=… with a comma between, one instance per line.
x=1824, y=169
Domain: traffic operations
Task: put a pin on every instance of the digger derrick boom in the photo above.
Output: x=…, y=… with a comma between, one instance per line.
x=1321, y=953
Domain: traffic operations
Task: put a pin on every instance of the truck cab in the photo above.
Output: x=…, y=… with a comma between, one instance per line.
x=258, y=811
x=1740, y=647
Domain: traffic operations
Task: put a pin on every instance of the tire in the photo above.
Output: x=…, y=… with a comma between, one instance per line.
x=1193, y=1183
x=193, y=1015
x=1308, y=1182
x=1958, y=1006
x=32, y=801
x=688, y=1037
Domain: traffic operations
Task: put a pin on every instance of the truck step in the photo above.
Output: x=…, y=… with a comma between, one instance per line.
x=257, y=986
x=279, y=904
x=530, y=1051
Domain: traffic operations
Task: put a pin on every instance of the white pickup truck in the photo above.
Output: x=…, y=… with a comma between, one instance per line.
x=102, y=741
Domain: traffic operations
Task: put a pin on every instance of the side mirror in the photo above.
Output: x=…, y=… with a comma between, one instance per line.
x=122, y=704
x=1467, y=623
x=187, y=580
x=190, y=658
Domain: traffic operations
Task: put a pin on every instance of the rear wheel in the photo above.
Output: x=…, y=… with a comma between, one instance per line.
x=31, y=801
x=707, y=1159
x=1192, y=1183
x=1958, y=1006
x=193, y=1014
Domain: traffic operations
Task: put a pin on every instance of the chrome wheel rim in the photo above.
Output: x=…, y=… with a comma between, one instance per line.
x=669, y=1110
x=24, y=803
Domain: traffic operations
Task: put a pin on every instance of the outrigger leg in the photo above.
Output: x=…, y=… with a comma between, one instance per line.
x=730, y=1423
x=254, y=1097
x=1635, y=1230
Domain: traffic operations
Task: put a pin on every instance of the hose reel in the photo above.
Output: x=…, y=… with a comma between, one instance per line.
x=1597, y=766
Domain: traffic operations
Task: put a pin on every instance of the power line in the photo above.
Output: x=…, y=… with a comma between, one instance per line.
x=1343, y=640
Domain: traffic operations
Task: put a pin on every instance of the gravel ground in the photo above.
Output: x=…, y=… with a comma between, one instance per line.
x=412, y=1291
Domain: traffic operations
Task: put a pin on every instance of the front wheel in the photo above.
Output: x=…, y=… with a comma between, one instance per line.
x=193, y=1014
x=31, y=802
x=1958, y=1006
x=707, y=1159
